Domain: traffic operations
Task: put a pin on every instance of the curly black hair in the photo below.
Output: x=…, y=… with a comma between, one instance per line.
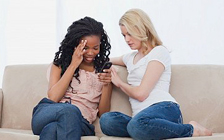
x=86, y=26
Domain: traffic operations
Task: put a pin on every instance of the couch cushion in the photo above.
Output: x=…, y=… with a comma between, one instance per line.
x=23, y=87
x=115, y=138
x=216, y=136
x=90, y=138
x=98, y=131
x=15, y=134
x=120, y=101
x=1, y=101
x=199, y=90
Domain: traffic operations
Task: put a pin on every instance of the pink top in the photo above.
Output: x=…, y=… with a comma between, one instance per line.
x=86, y=95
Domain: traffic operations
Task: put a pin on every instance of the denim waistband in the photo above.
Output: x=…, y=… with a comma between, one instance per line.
x=46, y=100
x=167, y=102
x=43, y=101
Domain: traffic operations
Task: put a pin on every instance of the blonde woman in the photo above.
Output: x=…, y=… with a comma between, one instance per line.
x=156, y=114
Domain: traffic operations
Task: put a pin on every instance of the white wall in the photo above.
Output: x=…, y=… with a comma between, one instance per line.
x=27, y=32
x=192, y=29
x=31, y=30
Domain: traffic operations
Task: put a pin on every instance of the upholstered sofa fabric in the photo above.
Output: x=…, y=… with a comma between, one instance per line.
x=198, y=89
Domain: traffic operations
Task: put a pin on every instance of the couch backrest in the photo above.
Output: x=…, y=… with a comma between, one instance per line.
x=200, y=91
x=23, y=87
x=120, y=101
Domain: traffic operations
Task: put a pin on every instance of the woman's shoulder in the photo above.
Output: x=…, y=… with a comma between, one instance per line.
x=160, y=49
x=161, y=54
x=52, y=67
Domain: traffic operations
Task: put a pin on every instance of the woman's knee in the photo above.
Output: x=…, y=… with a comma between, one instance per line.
x=114, y=123
x=106, y=119
x=133, y=129
x=133, y=126
x=110, y=118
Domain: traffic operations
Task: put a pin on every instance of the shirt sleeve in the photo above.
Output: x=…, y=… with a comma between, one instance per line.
x=161, y=54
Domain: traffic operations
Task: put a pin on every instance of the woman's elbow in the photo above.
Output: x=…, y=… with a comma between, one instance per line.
x=142, y=96
x=102, y=112
x=99, y=114
x=52, y=97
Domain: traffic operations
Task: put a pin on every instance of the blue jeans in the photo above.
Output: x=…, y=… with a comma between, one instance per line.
x=159, y=121
x=59, y=121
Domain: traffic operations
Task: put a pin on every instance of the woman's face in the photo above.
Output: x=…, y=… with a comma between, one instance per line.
x=92, y=48
x=134, y=43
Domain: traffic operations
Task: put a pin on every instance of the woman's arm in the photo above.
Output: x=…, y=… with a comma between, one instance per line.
x=57, y=84
x=105, y=100
x=117, y=61
x=153, y=73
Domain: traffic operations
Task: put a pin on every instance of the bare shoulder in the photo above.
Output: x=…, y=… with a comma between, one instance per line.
x=55, y=68
x=55, y=72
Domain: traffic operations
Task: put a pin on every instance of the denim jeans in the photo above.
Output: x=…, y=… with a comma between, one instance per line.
x=162, y=120
x=59, y=121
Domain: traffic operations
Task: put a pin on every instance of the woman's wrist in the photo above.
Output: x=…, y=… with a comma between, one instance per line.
x=73, y=66
x=107, y=84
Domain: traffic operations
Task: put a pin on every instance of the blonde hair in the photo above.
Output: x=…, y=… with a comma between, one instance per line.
x=139, y=25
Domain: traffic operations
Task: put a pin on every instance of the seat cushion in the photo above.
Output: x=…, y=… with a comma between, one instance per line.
x=114, y=138
x=16, y=134
x=215, y=136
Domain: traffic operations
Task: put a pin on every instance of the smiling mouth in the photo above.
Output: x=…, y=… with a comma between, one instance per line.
x=89, y=58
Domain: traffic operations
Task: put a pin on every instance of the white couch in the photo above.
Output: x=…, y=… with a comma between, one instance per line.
x=198, y=88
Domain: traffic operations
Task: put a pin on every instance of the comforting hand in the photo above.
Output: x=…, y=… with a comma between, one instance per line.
x=77, y=56
x=116, y=80
x=105, y=77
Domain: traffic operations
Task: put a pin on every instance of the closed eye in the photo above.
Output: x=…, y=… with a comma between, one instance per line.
x=96, y=48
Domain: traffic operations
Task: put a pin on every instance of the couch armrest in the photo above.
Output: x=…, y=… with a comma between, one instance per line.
x=1, y=102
